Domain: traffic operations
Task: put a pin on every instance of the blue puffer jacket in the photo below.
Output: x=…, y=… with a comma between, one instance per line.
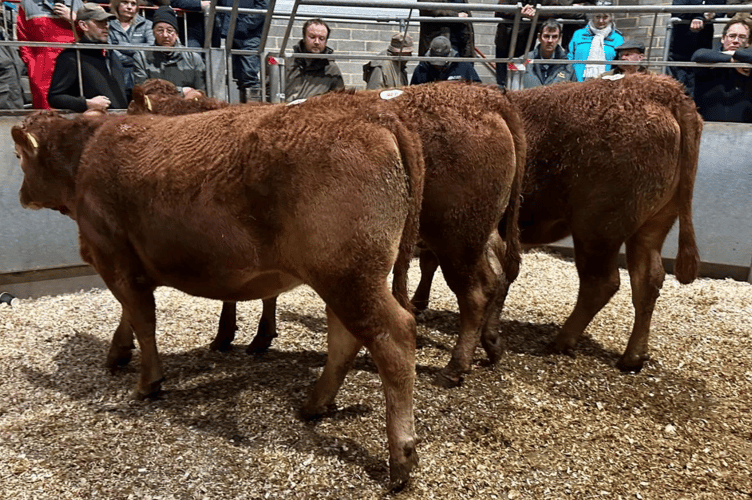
x=579, y=48
x=140, y=33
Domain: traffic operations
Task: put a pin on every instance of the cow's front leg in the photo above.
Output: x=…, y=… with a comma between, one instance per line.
x=121, y=347
x=428, y=266
x=227, y=327
x=267, y=327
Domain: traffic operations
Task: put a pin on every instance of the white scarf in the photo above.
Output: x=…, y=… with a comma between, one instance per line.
x=597, y=52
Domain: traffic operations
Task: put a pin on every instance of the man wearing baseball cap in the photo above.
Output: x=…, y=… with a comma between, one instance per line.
x=88, y=78
x=445, y=69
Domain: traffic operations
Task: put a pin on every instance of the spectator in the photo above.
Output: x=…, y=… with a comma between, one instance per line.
x=128, y=28
x=390, y=73
x=503, y=38
x=539, y=74
x=11, y=71
x=433, y=71
x=186, y=70
x=460, y=34
x=310, y=77
x=101, y=85
x=43, y=21
x=725, y=94
x=194, y=18
x=595, y=42
x=687, y=38
x=247, y=36
x=631, y=50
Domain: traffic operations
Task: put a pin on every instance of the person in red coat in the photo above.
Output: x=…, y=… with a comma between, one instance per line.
x=44, y=21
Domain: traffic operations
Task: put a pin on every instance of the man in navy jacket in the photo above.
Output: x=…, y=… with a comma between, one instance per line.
x=725, y=94
x=433, y=71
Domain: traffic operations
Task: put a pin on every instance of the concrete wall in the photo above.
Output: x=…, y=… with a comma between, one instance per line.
x=39, y=249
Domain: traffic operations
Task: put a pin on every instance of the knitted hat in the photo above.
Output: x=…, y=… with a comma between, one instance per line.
x=165, y=14
x=440, y=47
x=401, y=44
x=92, y=11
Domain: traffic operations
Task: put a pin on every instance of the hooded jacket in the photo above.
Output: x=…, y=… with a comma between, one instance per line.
x=310, y=77
x=139, y=33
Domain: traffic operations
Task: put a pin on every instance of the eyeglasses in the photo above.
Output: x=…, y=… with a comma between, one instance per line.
x=734, y=36
x=165, y=31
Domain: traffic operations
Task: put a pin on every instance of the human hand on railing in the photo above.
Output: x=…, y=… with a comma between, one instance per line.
x=528, y=11
x=696, y=25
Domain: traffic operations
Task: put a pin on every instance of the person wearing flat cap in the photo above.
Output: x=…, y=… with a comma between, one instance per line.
x=186, y=70
x=631, y=50
x=99, y=84
x=390, y=73
x=446, y=69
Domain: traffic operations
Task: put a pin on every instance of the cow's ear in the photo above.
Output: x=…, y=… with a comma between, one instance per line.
x=26, y=140
x=147, y=102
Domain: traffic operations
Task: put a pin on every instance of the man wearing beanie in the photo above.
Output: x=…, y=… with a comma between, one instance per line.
x=102, y=85
x=186, y=70
x=390, y=73
x=434, y=71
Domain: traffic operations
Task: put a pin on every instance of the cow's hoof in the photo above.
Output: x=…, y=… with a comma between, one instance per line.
x=220, y=345
x=148, y=391
x=118, y=360
x=311, y=413
x=557, y=347
x=419, y=306
x=447, y=379
x=632, y=364
x=259, y=344
x=493, y=348
x=399, y=473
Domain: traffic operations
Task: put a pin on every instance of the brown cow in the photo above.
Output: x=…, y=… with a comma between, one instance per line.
x=474, y=154
x=218, y=208
x=610, y=162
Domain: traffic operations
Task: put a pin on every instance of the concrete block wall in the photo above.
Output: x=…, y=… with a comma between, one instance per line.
x=361, y=38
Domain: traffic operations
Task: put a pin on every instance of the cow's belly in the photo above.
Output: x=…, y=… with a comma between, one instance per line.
x=235, y=286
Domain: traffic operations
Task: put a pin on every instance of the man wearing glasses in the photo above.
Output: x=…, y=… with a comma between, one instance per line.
x=725, y=94
x=184, y=69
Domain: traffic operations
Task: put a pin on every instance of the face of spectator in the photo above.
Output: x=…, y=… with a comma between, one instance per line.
x=126, y=11
x=601, y=21
x=96, y=31
x=315, y=39
x=630, y=55
x=165, y=35
x=549, y=39
x=736, y=37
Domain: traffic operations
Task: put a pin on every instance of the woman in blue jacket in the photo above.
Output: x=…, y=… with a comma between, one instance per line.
x=128, y=28
x=596, y=42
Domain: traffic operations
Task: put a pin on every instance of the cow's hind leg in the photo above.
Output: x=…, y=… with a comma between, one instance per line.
x=598, y=271
x=646, y=274
x=428, y=266
x=267, y=327
x=121, y=347
x=228, y=325
x=476, y=287
x=377, y=321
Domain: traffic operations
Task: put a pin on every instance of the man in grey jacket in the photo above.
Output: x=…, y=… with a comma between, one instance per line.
x=539, y=74
x=184, y=69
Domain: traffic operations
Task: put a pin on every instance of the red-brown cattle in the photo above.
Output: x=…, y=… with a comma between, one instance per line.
x=474, y=151
x=221, y=209
x=610, y=163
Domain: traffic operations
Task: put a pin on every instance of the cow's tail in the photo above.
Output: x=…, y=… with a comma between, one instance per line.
x=687, y=257
x=411, y=152
x=509, y=227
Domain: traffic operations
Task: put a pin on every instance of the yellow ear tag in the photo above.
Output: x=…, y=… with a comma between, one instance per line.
x=33, y=141
x=148, y=102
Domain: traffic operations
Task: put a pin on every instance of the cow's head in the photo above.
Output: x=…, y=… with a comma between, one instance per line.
x=49, y=147
x=160, y=97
